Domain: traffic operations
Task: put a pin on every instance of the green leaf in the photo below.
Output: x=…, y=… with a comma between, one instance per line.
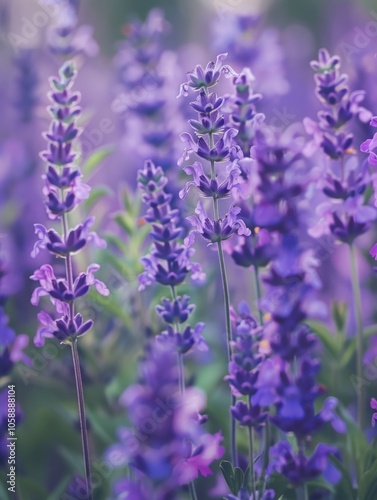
x=96, y=158
x=126, y=221
x=74, y=460
x=368, y=484
x=369, y=457
x=370, y=330
x=321, y=483
x=99, y=427
x=60, y=489
x=3, y=492
x=279, y=484
x=114, y=240
x=95, y=195
x=344, y=489
x=234, y=477
x=339, y=312
x=326, y=337
x=347, y=355
x=227, y=470
x=238, y=479
x=28, y=489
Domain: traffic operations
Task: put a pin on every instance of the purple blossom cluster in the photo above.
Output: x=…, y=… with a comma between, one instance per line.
x=169, y=262
x=168, y=446
x=63, y=190
x=345, y=215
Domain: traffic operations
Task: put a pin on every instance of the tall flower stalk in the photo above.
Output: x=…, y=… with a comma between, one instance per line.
x=213, y=143
x=168, y=264
x=64, y=190
x=344, y=215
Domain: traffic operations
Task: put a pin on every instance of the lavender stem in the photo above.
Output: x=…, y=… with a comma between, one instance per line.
x=359, y=336
x=77, y=370
x=225, y=285
x=266, y=449
x=82, y=416
x=251, y=460
x=182, y=389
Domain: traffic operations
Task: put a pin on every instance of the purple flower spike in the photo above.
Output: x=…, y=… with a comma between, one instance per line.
x=204, y=78
x=64, y=190
x=352, y=218
x=297, y=468
x=216, y=231
x=179, y=449
x=169, y=262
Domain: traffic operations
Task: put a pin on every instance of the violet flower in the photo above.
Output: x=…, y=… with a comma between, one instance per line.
x=240, y=35
x=213, y=143
x=144, y=96
x=26, y=84
x=178, y=449
x=297, y=467
x=65, y=38
x=345, y=215
x=63, y=191
x=12, y=346
x=169, y=262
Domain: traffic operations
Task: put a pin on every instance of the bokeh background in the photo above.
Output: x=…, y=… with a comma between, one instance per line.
x=292, y=31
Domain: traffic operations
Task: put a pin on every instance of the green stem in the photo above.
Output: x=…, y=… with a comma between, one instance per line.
x=359, y=337
x=77, y=369
x=192, y=491
x=182, y=388
x=251, y=460
x=259, y=293
x=266, y=448
x=225, y=286
x=82, y=416
x=302, y=491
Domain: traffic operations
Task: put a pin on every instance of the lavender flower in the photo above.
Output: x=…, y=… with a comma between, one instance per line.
x=26, y=84
x=244, y=367
x=11, y=345
x=345, y=215
x=168, y=446
x=298, y=468
x=240, y=35
x=146, y=75
x=65, y=39
x=242, y=110
x=214, y=143
x=63, y=191
x=169, y=262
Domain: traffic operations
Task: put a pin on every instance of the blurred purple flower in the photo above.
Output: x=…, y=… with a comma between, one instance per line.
x=297, y=467
x=170, y=447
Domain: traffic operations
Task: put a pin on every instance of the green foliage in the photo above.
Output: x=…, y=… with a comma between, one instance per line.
x=95, y=160
x=234, y=476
